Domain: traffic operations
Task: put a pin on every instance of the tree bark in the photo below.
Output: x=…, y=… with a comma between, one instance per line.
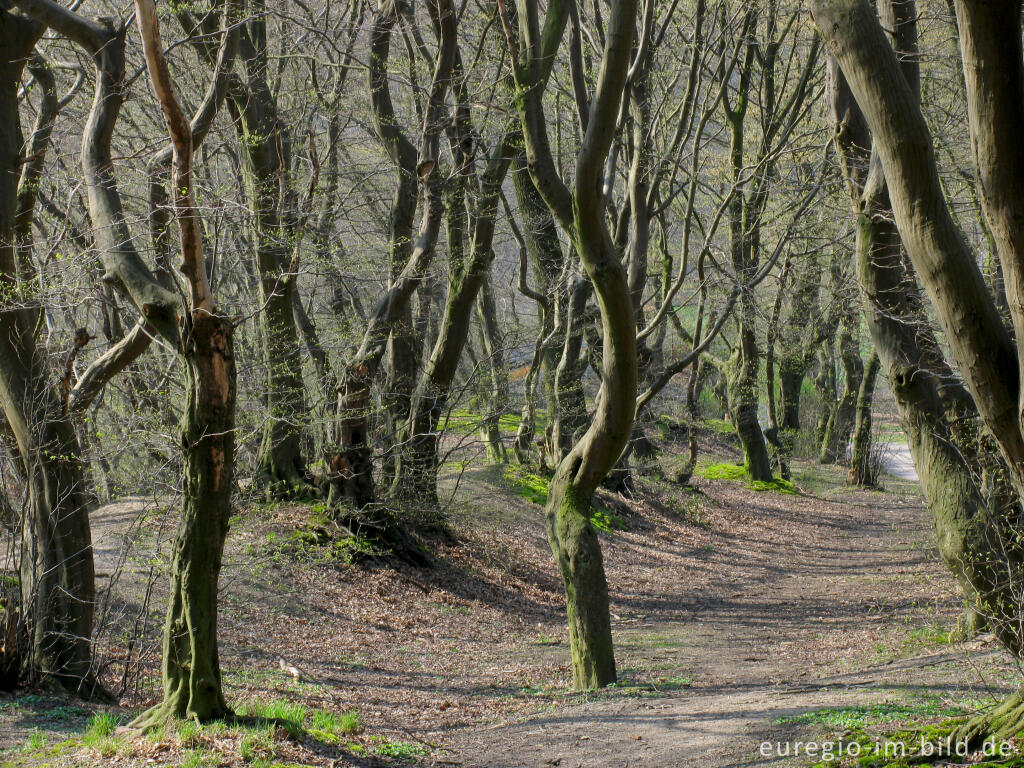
x=862, y=472
x=56, y=588
x=574, y=541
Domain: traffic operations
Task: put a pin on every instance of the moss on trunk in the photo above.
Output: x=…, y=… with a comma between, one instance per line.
x=191, y=668
x=577, y=552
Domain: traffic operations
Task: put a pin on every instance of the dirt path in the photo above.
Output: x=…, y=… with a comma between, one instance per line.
x=804, y=618
x=897, y=461
x=731, y=608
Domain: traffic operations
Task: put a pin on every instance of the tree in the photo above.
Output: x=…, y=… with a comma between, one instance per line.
x=350, y=460
x=977, y=536
x=57, y=591
x=580, y=211
x=191, y=668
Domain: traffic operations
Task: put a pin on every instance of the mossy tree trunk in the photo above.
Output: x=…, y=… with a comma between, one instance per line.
x=901, y=203
x=573, y=540
x=862, y=472
x=190, y=667
x=190, y=670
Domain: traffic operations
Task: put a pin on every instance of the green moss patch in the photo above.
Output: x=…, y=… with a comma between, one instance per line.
x=893, y=735
x=737, y=472
x=534, y=489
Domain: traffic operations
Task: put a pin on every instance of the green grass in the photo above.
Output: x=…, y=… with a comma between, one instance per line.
x=606, y=521
x=99, y=730
x=258, y=744
x=198, y=758
x=737, y=472
x=861, y=716
x=36, y=741
x=323, y=725
x=334, y=727
x=892, y=734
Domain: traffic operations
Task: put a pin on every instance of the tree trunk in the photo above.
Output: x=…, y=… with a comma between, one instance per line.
x=56, y=592
x=280, y=464
x=976, y=534
x=837, y=434
x=190, y=663
x=573, y=540
x=497, y=370
x=191, y=669
x=862, y=473
x=743, y=401
x=350, y=462
x=57, y=573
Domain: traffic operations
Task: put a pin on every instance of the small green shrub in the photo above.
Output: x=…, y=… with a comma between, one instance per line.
x=402, y=750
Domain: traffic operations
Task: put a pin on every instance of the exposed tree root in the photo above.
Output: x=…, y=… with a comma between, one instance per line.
x=386, y=533
x=1001, y=724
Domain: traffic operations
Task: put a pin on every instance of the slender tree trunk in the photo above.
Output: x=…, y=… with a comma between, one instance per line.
x=743, y=401
x=497, y=369
x=280, y=463
x=837, y=434
x=862, y=472
x=417, y=477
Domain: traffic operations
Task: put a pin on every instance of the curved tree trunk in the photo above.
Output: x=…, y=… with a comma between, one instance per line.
x=574, y=541
x=976, y=533
x=190, y=665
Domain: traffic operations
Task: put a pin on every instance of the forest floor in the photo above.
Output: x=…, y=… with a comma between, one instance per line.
x=739, y=617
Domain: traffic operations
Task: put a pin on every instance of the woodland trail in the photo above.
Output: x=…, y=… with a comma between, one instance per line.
x=898, y=462
x=758, y=641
